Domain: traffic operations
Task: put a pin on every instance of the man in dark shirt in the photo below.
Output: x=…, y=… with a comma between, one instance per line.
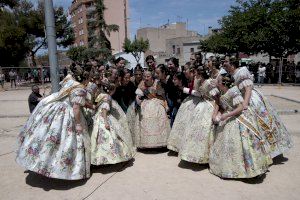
x=34, y=98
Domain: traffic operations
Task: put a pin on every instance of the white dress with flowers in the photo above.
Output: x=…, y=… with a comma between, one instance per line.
x=49, y=143
x=237, y=151
x=198, y=136
x=182, y=120
x=276, y=137
x=109, y=146
x=152, y=126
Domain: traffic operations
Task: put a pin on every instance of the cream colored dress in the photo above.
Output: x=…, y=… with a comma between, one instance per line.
x=109, y=146
x=49, y=143
x=198, y=136
x=277, y=140
x=237, y=151
x=152, y=126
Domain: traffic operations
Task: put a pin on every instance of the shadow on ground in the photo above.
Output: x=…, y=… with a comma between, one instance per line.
x=279, y=160
x=192, y=166
x=256, y=180
x=172, y=153
x=36, y=180
x=107, y=169
x=153, y=150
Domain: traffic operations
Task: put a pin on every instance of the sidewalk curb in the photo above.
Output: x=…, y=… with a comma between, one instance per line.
x=293, y=100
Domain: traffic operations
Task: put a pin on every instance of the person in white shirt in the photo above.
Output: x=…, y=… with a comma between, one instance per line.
x=2, y=79
x=261, y=72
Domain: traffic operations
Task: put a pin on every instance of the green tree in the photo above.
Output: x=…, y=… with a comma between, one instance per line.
x=99, y=31
x=22, y=30
x=136, y=47
x=12, y=37
x=78, y=54
x=10, y=3
x=32, y=20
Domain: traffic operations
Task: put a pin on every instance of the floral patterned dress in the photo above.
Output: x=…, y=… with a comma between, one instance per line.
x=276, y=137
x=183, y=118
x=91, y=89
x=109, y=146
x=49, y=143
x=152, y=126
x=237, y=151
x=198, y=135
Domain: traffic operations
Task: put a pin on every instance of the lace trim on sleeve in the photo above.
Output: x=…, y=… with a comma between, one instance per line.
x=105, y=105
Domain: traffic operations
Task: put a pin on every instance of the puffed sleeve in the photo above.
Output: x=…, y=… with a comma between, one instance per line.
x=78, y=96
x=159, y=90
x=212, y=86
x=243, y=78
x=105, y=105
x=139, y=92
x=236, y=96
x=104, y=101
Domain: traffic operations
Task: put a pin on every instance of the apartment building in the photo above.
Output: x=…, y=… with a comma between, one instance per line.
x=116, y=13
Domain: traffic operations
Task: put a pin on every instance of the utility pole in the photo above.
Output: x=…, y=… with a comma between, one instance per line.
x=52, y=47
x=125, y=18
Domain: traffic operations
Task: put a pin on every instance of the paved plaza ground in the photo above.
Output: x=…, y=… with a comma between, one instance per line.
x=152, y=175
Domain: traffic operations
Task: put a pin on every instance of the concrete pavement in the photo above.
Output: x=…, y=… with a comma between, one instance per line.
x=154, y=174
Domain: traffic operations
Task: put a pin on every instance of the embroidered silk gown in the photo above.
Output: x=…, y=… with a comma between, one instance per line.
x=152, y=126
x=198, y=136
x=109, y=146
x=276, y=137
x=49, y=143
x=183, y=118
x=237, y=151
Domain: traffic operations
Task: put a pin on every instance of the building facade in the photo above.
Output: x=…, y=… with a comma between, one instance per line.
x=171, y=40
x=116, y=13
x=157, y=36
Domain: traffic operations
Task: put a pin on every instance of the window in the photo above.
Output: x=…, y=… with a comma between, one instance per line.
x=81, y=32
x=79, y=9
x=192, y=50
x=80, y=21
x=75, y=45
x=173, y=47
x=178, y=50
x=81, y=43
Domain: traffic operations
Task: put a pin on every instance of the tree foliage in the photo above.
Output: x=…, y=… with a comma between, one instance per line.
x=9, y=3
x=28, y=20
x=78, y=54
x=259, y=26
x=99, y=31
x=136, y=47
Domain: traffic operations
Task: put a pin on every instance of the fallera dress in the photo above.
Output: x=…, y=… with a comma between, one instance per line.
x=276, y=137
x=151, y=123
x=49, y=144
x=198, y=136
x=109, y=146
x=237, y=151
x=183, y=119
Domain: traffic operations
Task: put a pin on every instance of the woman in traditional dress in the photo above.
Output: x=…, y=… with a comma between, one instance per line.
x=185, y=111
x=276, y=137
x=131, y=111
x=111, y=143
x=54, y=141
x=152, y=126
x=237, y=151
x=198, y=136
x=93, y=89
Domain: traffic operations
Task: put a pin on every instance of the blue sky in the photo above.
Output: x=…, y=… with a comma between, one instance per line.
x=200, y=13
